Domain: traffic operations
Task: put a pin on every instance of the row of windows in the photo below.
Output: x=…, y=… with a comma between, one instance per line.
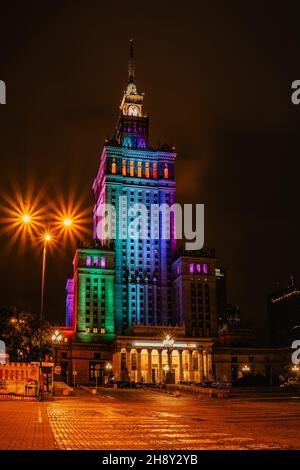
x=139, y=169
x=199, y=268
x=95, y=330
x=94, y=261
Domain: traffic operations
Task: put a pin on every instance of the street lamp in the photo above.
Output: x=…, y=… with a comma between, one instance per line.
x=108, y=369
x=56, y=339
x=166, y=369
x=168, y=343
x=47, y=238
x=246, y=369
x=26, y=219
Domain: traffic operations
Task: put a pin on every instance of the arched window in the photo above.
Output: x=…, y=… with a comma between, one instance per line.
x=147, y=171
x=155, y=170
x=166, y=172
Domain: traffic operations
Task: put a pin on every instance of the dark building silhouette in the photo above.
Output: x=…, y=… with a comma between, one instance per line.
x=284, y=315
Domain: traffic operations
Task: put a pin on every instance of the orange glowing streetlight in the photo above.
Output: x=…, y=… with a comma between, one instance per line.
x=26, y=219
x=68, y=222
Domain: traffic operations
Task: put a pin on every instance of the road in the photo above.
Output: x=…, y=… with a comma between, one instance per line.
x=137, y=419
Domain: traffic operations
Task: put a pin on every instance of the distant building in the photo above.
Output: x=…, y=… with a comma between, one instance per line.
x=221, y=294
x=284, y=315
x=194, y=287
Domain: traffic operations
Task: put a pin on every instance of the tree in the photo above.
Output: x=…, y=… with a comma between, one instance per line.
x=21, y=333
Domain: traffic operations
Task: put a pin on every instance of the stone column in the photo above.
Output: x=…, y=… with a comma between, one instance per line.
x=169, y=356
x=191, y=373
x=128, y=363
x=180, y=368
x=204, y=355
x=200, y=366
x=139, y=364
x=117, y=365
x=149, y=351
x=209, y=365
x=160, y=369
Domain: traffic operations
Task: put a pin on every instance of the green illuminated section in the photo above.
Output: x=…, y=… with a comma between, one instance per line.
x=94, y=279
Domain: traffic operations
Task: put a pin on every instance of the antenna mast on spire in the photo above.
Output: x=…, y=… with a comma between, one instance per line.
x=131, y=68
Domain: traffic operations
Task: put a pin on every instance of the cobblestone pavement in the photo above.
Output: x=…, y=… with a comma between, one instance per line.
x=25, y=426
x=136, y=419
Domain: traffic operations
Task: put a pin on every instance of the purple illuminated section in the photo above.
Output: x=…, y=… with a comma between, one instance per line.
x=191, y=268
x=205, y=270
x=198, y=267
x=141, y=143
x=96, y=261
x=70, y=303
x=88, y=261
x=103, y=262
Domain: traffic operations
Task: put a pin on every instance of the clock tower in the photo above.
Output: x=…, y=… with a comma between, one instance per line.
x=132, y=128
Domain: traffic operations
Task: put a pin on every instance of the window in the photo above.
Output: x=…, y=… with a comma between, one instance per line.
x=95, y=330
x=198, y=267
x=131, y=170
x=147, y=171
x=102, y=331
x=191, y=268
x=124, y=167
x=205, y=269
x=95, y=261
x=154, y=170
x=114, y=167
x=133, y=361
x=88, y=261
x=166, y=172
x=103, y=262
x=139, y=171
x=88, y=330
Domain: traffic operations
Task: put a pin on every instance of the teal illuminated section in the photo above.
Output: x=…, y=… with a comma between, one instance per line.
x=94, y=294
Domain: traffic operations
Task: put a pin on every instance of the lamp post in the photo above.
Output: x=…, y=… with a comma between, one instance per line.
x=108, y=368
x=56, y=339
x=246, y=369
x=27, y=220
x=47, y=239
x=166, y=369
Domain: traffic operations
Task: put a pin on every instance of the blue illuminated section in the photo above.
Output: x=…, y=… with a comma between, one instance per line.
x=143, y=293
x=127, y=141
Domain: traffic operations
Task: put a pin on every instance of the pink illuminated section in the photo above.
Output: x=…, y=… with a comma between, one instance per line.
x=103, y=263
x=192, y=268
x=88, y=261
x=205, y=269
x=198, y=267
x=96, y=261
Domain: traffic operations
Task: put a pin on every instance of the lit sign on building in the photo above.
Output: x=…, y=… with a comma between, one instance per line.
x=168, y=342
x=159, y=344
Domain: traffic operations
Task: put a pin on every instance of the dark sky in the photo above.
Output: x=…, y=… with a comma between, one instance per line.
x=217, y=77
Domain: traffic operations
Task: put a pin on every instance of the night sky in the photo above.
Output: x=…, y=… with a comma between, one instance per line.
x=217, y=78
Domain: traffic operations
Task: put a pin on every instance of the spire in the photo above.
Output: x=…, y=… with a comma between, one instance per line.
x=131, y=68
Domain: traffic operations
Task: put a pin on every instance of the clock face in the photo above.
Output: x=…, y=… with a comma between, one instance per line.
x=133, y=111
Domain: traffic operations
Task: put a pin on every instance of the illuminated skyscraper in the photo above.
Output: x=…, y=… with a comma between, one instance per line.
x=129, y=168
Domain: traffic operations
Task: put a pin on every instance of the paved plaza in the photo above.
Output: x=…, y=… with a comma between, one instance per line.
x=138, y=419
